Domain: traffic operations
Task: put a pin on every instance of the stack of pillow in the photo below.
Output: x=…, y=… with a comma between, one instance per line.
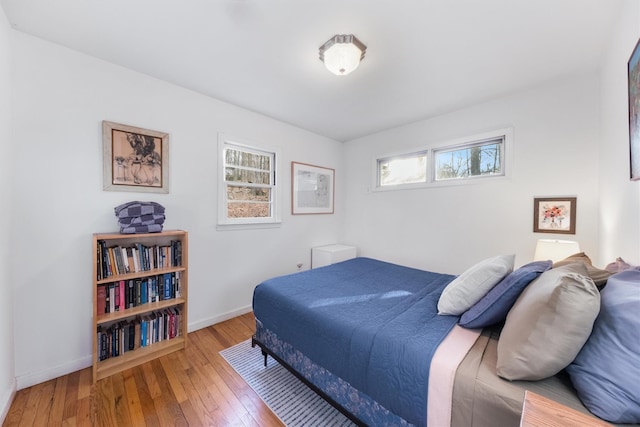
x=556, y=317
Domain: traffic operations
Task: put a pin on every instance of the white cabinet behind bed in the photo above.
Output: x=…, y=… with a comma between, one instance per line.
x=331, y=254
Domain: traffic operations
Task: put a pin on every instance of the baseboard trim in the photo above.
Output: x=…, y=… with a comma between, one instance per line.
x=28, y=380
x=217, y=319
x=7, y=400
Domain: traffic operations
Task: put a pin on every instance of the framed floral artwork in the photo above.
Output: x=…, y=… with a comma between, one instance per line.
x=554, y=215
x=135, y=159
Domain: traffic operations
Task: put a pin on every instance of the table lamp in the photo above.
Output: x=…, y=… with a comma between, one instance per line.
x=555, y=250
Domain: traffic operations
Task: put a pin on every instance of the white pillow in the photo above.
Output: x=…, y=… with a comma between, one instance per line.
x=468, y=288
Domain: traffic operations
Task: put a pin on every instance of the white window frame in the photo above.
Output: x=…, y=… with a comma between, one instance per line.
x=436, y=151
x=507, y=157
x=409, y=154
x=232, y=223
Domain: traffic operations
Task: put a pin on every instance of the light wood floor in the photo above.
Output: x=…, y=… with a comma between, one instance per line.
x=191, y=387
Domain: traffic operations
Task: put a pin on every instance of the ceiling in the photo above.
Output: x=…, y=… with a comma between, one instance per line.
x=423, y=58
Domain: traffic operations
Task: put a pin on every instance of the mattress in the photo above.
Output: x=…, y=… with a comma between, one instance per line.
x=482, y=399
x=370, y=323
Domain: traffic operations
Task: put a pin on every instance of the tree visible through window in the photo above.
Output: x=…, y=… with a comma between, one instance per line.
x=481, y=159
x=464, y=160
x=249, y=177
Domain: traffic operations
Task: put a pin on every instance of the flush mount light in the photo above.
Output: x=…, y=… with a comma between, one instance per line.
x=342, y=54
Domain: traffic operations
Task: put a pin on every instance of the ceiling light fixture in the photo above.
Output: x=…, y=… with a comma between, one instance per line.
x=342, y=54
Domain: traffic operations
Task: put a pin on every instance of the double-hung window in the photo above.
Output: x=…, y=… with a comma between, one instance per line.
x=248, y=190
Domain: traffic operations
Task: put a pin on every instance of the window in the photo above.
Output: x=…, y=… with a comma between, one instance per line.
x=456, y=162
x=248, y=190
x=405, y=169
x=483, y=158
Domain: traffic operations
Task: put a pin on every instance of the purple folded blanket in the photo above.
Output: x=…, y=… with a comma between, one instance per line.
x=137, y=209
x=142, y=220
x=135, y=229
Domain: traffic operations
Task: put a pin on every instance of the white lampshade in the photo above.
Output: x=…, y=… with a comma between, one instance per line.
x=555, y=250
x=342, y=54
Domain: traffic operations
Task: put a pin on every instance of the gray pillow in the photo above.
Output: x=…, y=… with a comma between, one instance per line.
x=548, y=324
x=468, y=288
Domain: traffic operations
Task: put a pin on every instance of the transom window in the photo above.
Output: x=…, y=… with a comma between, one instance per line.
x=483, y=158
x=249, y=184
x=457, y=162
x=405, y=169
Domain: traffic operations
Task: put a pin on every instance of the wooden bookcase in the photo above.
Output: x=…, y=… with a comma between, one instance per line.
x=136, y=311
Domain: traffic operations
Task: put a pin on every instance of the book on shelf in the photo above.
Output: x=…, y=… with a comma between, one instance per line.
x=137, y=257
x=122, y=303
x=130, y=293
x=125, y=294
x=101, y=298
x=136, y=339
x=125, y=259
x=167, y=286
x=99, y=262
x=127, y=335
x=113, y=267
x=112, y=298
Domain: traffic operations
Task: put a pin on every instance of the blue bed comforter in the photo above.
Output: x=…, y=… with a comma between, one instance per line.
x=371, y=323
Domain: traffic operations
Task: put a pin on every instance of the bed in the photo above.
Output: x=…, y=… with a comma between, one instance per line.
x=368, y=337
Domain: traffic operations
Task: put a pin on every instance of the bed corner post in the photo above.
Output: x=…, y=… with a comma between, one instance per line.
x=255, y=342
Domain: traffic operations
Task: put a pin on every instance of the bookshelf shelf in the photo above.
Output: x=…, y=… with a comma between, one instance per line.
x=140, y=288
x=128, y=276
x=152, y=306
x=133, y=358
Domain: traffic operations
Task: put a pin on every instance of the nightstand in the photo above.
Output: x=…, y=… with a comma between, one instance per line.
x=330, y=254
x=539, y=411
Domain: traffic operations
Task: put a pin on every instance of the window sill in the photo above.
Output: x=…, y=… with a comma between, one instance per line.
x=248, y=226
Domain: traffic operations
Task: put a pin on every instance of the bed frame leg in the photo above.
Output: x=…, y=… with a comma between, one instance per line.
x=254, y=342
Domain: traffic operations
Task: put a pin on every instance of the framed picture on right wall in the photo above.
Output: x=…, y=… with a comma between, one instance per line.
x=554, y=215
x=633, y=71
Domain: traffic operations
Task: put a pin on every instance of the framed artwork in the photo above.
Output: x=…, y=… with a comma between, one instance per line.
x=554, y=215
x=135, y=159
x=312, y=189
x=633, y=71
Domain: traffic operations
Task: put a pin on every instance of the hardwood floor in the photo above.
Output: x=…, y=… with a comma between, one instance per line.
x=191, y=387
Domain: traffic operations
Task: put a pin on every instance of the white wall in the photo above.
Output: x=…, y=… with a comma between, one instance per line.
x=61, y=97
x=7, y=382
x=619, y=197
x=448, y=229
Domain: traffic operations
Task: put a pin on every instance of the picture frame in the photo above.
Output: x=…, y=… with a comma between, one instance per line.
x=135, y=159
x=633, y=73
x=554, y=215
x=312, y=189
